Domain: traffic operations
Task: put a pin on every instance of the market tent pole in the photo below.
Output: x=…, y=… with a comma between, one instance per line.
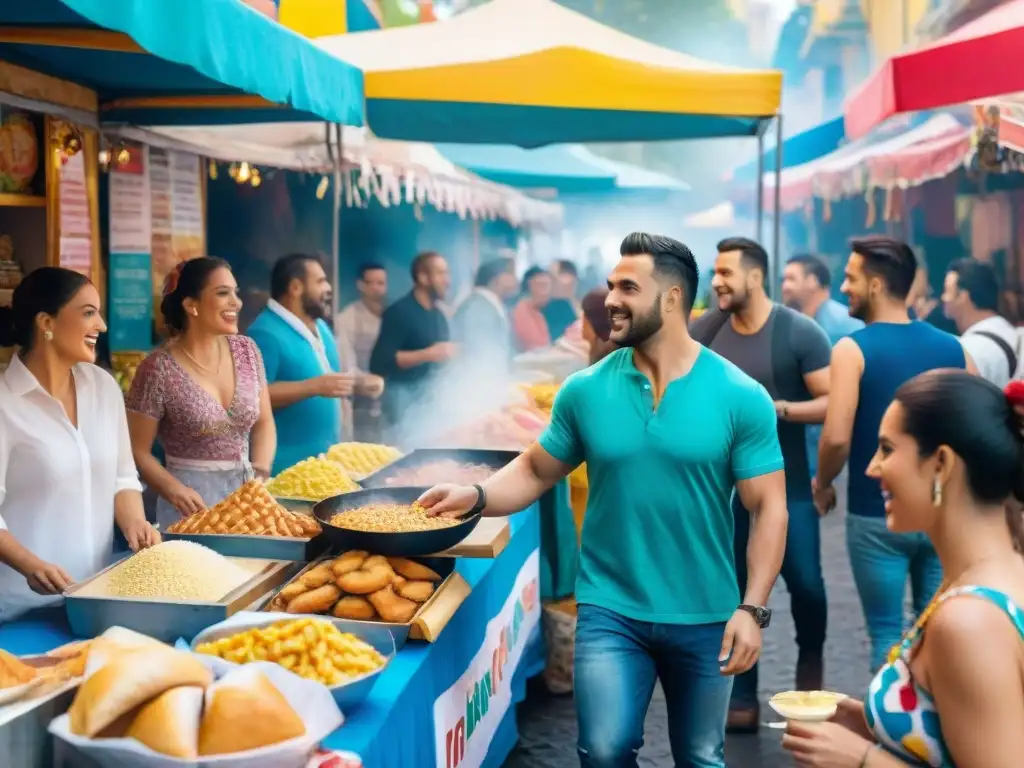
x=777, y=223
x=339, y=160
x=760, y=186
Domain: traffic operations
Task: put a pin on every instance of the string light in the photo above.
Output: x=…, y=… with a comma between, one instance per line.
x=123, y=156
x=322, y=187
x=256, y=179
x=213, y=170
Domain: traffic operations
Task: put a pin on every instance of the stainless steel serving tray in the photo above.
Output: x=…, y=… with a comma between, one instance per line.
x=420, y=457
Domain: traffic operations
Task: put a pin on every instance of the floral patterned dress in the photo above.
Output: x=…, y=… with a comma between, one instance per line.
x=206, y=445
x=901, y=713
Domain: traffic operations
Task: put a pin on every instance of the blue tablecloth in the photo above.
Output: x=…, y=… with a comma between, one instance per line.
x=491, y=646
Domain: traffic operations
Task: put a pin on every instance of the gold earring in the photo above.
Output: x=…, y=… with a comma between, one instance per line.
x=937, y=492
x=48, y=335
x=195, y=313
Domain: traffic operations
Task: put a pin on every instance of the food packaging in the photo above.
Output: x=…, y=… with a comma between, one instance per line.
x=348, y=695
x=310, y=700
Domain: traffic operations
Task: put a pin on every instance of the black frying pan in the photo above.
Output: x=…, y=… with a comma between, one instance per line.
x=423, y=456
x=416, y=543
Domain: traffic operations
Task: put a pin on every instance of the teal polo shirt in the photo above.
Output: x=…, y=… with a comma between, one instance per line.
x=311, y=426
x=657, y=540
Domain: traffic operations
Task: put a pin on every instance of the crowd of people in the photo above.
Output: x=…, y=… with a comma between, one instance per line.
x=707, y=479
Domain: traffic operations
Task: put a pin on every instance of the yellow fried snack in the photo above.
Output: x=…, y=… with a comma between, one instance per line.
x=390, y=518
x=362, y=459
x=314, y=479
x=249, y=511
x=311, y=648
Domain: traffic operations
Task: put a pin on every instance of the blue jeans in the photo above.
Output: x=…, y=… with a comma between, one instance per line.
x=812, y=434
x=801, y=570
x=881, y=561
x=617, y=662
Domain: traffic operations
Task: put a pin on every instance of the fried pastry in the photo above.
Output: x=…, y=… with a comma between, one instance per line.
x=13, y=671
x=350, y=561
x=317, y=576
x=412, y=570
x=391, y=607
x=417, y=591
x=352, y=607
x=374, y=575
x=317, y=600
x=249, y=511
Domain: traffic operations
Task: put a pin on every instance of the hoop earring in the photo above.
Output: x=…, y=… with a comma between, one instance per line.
x=48, y=335
x=937, y=492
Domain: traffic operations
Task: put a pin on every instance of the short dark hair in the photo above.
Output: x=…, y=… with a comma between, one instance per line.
x=294, y=266
x=890, y=260
x=566, y=266
x=752, y=254
x=815, y=267
x=193, y=275
x=370, y=266
x=531, y=273
x=46, y=290
x=596, y=313
x=491, y=268
x=979, y=280
x=420, y=264
x=673, y=261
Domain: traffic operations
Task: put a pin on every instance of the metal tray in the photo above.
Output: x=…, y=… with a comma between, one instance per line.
x=348, y=695
x=90, y=615
x=423, y=456
x=401, y=633
x=259, y=547
x=411, y=544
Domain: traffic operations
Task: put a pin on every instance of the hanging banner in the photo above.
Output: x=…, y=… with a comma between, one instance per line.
x=131, y=279
x=75, y=219
x=176, y=200
x=468, y=714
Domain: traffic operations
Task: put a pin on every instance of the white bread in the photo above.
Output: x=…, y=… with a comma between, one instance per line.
x=169, y=724
x=124, y=683
x=244, y=711
x=116, y=642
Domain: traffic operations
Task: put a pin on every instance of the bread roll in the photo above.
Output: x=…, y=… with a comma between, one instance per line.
x=244, y=710
x=412, y=570
x=124, y=683
x=169, y=724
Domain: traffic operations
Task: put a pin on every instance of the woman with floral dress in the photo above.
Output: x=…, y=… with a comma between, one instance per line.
x=203, y=395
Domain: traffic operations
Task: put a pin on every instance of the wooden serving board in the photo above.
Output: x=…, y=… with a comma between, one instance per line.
x=488, y=540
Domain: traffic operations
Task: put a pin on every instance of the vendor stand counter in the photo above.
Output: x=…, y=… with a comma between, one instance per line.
x=448, y=703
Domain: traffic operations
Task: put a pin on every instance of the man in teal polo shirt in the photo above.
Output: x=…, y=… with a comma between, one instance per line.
x=668, y=429
x=300, y=354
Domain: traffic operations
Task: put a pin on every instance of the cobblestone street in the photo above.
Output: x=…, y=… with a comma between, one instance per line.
x=548, y=725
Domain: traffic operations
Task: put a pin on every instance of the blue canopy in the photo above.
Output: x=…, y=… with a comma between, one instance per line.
x=796, y=150
x=181, y=62
x=553, y=167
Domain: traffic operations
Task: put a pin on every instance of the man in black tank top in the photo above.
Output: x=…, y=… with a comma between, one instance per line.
x=788, y=354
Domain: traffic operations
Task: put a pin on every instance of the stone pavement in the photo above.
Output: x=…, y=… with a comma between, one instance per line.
x=548, y=724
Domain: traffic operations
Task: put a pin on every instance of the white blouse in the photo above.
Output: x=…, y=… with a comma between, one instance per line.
x=57, y=483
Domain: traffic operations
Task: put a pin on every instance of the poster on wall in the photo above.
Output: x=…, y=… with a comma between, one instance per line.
x=467, y=715
x=75, y=219
x=176, y=200
x=131, y=305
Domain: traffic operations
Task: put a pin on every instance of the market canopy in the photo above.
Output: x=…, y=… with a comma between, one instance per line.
x=796, y=150
x=532, y=73
x=974, y=62
x=181, y=62
x=551, y=167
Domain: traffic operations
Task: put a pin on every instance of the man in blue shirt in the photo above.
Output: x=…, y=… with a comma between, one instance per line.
x=304, y=372
x=668, y=429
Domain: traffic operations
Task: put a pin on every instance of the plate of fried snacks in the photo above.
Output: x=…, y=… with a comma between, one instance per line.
x=249, y=511
x=312, y=480
x=806, y=706
x=389, y=521
x=155, y=706
x=348, y=661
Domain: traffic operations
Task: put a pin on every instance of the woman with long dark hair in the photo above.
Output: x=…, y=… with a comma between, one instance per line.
x=951, y=695
x=203, y=395
x=66, y=469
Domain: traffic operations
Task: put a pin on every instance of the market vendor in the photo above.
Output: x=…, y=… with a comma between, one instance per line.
x=307, y=380
x=66, y=469
x=481, y=323
x=414, y=339
x=203, y=394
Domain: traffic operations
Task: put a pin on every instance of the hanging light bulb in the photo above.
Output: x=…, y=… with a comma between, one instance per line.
x=72, y=143
x=103, y=158
x=322, y=187
x=213, y=170
x=123, y=156
x=256, y=179
x=244, y=173
x=233, y=171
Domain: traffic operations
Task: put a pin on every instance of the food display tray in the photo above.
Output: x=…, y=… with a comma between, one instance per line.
x=24, y=739
x=430, y=619
x=282, y=548
x=91, y=612
x=424, y=456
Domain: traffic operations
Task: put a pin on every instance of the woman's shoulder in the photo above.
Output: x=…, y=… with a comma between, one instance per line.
x=244, y=348
x=100, y=378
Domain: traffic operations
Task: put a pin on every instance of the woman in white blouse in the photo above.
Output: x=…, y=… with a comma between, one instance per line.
x=66, y=468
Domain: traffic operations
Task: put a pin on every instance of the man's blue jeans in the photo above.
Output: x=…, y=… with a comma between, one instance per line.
x=801, y=570
x=617, y=662
x=881, y=561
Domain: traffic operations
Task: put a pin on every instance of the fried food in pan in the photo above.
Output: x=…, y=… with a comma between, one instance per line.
x=391, y=607
x=352, y=607
x=412, y=570
x=350, y=561
x=417, y=591
x=318, y=600
x=317, y=576
x=370, y=578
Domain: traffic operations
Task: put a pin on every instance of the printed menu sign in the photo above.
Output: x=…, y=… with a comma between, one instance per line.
x=75, y=219
x=131, y=279
x=176, y=199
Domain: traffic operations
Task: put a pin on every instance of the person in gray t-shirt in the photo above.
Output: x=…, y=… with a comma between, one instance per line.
x=788, y=354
